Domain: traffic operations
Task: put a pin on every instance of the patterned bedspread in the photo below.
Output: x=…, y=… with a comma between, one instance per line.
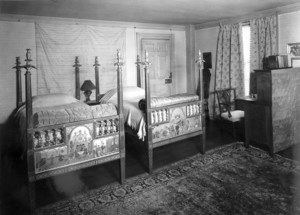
x=170, y=100
x=65, y=113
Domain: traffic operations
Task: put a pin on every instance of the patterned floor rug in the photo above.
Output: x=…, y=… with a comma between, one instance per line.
x=227, y=180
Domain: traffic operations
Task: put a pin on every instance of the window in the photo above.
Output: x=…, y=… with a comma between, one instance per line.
x=246, y=53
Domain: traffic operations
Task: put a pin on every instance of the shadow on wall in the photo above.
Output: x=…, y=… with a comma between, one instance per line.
x=9, y=145
x=13, y=190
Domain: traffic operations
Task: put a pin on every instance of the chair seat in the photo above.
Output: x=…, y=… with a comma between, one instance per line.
x=236, y=115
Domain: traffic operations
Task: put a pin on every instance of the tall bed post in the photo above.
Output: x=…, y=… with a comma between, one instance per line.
x=148, y=137
x=200, y=93
x=19, y=81
x=96, y=65
x=77, y=78
x=148, y=113
x=119, y=65
x=29, y=127
x=28, y=67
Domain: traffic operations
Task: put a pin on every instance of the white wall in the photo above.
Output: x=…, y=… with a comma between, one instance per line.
x=15, y=37
x=289, y=30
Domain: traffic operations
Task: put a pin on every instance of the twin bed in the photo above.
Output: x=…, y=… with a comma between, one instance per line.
x=158, y=121
x=60, y=133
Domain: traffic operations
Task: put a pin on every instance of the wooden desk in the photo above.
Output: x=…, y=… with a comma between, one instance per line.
x=241, y=102
x=273, y=119
x=258, y=125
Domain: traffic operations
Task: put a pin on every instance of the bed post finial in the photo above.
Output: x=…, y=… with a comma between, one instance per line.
x=119, y=57
x=138, y=59
x=146, y=56
x=147, y=63
x=96, y=65
x=28, y=60
x=200, y=61
x=77, y=78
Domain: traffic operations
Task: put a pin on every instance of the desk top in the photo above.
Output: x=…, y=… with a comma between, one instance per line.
x=246, y=98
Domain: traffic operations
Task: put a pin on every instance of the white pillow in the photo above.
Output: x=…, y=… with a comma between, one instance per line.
x=132, y=92
x=129, y=93
x=54, y=99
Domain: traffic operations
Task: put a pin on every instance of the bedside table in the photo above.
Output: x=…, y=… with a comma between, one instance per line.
x=91, y=103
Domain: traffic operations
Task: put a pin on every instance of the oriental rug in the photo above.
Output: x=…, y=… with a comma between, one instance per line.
x=231, y=179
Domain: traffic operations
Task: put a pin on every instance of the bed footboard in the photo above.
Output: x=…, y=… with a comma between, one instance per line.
x=171, y=123
x=68, y=147
x=174, y=121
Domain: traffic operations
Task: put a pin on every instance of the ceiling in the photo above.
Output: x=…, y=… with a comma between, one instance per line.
x=176, y=12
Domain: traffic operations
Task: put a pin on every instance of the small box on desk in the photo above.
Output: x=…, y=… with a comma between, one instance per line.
x=276, y=62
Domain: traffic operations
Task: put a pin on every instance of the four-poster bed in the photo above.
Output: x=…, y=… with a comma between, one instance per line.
x=173, y=118
x=157, y=121
x=60, y=134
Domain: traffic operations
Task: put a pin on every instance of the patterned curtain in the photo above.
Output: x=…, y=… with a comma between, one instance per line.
x=263, y=43
x=229, y=65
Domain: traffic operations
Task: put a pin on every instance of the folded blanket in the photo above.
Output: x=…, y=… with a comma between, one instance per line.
x=68, y=113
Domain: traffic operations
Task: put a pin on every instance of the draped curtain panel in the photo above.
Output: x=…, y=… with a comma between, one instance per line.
x=57, y=46
x=263, y=43
x=229, y=65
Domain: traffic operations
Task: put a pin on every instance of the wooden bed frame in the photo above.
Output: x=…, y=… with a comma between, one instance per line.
x=150, y=142
x=116, y=137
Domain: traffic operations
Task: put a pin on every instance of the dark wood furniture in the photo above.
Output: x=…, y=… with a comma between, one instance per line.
x=114, y=139
x=241, y=102
x=272, y=121
x=206, y=85
x=196, y=116
x=229, y=117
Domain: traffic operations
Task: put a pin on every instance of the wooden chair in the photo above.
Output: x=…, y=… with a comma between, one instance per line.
x=229, y=118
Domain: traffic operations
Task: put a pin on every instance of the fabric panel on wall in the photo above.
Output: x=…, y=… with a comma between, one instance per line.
x=57, y=46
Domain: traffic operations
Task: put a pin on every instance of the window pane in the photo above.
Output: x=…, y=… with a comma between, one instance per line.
x=246, y=52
